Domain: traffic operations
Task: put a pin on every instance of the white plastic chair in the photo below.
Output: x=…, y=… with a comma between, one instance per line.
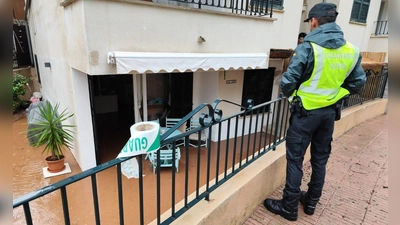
x=195, y=136
x=166, y=158
x=170, y=122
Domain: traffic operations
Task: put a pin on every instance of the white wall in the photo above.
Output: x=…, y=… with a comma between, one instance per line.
x=128, y=26
x=278, y=64
x=47, y=31
x=84, y=150
x=385, y=11
x=205, y=89
x=49, y=45
x=379, y=44
x=230, y=92
x=76, y=37
x=286, y=28
x=233, y=92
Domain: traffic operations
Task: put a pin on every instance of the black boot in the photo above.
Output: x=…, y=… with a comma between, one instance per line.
x=308, y=208
x=277, y=207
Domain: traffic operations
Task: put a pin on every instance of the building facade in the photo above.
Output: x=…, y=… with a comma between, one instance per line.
x=115, y=63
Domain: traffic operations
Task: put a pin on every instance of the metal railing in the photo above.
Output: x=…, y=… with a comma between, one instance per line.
x=373, y=88
x=246, y=7
x=381, y=28
x=21, y=45
x=241, y=139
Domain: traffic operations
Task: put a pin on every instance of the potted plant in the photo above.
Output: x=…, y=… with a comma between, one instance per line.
x=47, y=129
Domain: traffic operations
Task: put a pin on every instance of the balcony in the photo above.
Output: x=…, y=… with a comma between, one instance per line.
x=381, y=28
x=245, y=7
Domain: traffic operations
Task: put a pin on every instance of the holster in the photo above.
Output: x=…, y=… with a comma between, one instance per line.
x=338, y=110
x=298, y=107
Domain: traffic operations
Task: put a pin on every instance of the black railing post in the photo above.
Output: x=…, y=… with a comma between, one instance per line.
x=27, y=212
x=65, y=205
x=218, y=153
x=95, y=199
x=173, y=171
x=140, y=165
x=158, y=199
x=120, y=195
x=186, y=141
x=384, y=76
x=208, y=165
x=272, y=6
x=277, y=120
x=227, y=147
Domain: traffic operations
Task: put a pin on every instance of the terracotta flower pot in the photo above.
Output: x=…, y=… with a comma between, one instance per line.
x=55, y=166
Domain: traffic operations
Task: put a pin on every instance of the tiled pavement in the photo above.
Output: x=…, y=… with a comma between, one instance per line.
x=356, y=184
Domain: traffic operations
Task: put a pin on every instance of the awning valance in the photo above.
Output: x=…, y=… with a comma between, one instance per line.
x=155, y=62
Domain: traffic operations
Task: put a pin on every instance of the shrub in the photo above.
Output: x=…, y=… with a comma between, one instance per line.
x=19, y=89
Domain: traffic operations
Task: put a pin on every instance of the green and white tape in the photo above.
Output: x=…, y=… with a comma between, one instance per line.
x=145, y=138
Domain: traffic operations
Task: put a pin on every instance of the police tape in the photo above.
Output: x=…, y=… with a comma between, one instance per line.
x=145, y=138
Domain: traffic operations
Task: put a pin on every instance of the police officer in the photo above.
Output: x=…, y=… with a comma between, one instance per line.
x=322, y=70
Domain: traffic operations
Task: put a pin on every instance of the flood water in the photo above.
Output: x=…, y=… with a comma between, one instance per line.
x=28, y=164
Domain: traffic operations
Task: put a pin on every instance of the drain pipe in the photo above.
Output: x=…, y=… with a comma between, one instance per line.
x=28, y=33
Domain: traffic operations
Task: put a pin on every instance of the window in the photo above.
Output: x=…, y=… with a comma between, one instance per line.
x=259, y=4
x=276, y=4
x=257, y=85
x=359, y=12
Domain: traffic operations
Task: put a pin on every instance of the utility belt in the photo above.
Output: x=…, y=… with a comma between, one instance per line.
x=297, y=106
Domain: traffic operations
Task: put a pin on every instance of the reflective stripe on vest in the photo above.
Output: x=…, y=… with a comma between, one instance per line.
x=331, y=67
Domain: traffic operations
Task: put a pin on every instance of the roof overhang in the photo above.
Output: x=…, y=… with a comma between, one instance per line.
x=155, y=62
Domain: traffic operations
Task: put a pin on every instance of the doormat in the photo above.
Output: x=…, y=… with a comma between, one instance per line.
x=47, y=174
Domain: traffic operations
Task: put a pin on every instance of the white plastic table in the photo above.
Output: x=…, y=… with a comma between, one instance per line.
x=162, y=131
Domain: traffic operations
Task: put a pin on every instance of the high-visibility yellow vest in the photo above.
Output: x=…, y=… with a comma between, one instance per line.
x=331, y=67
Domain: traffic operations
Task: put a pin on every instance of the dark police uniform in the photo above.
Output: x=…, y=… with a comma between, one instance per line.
x=322, y=70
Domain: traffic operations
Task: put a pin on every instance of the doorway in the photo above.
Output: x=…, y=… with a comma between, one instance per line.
x=169, y=95
x=112, y=108
x=111, y=98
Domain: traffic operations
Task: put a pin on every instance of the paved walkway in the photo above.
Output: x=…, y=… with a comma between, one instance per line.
x=356, y=184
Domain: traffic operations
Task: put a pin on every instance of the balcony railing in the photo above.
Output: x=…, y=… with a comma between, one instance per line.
x=374, y=88
x=381, y=28
x=250, y=133
x=246, y=7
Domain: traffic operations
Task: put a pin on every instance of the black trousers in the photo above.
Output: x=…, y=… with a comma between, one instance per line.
x=317, y=129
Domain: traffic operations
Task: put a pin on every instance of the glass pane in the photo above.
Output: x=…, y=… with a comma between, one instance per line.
x=364, y=12
x=355, y=10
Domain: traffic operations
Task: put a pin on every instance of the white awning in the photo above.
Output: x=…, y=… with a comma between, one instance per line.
x=155, y=62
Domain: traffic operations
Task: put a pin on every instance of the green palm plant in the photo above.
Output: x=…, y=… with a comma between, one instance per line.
x=50, y=132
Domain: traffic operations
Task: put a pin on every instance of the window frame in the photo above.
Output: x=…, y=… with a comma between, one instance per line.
x=259, y=75
x=278, y=4
x=362, y=4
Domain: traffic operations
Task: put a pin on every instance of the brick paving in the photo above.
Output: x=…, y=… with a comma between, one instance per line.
x=356, y=184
